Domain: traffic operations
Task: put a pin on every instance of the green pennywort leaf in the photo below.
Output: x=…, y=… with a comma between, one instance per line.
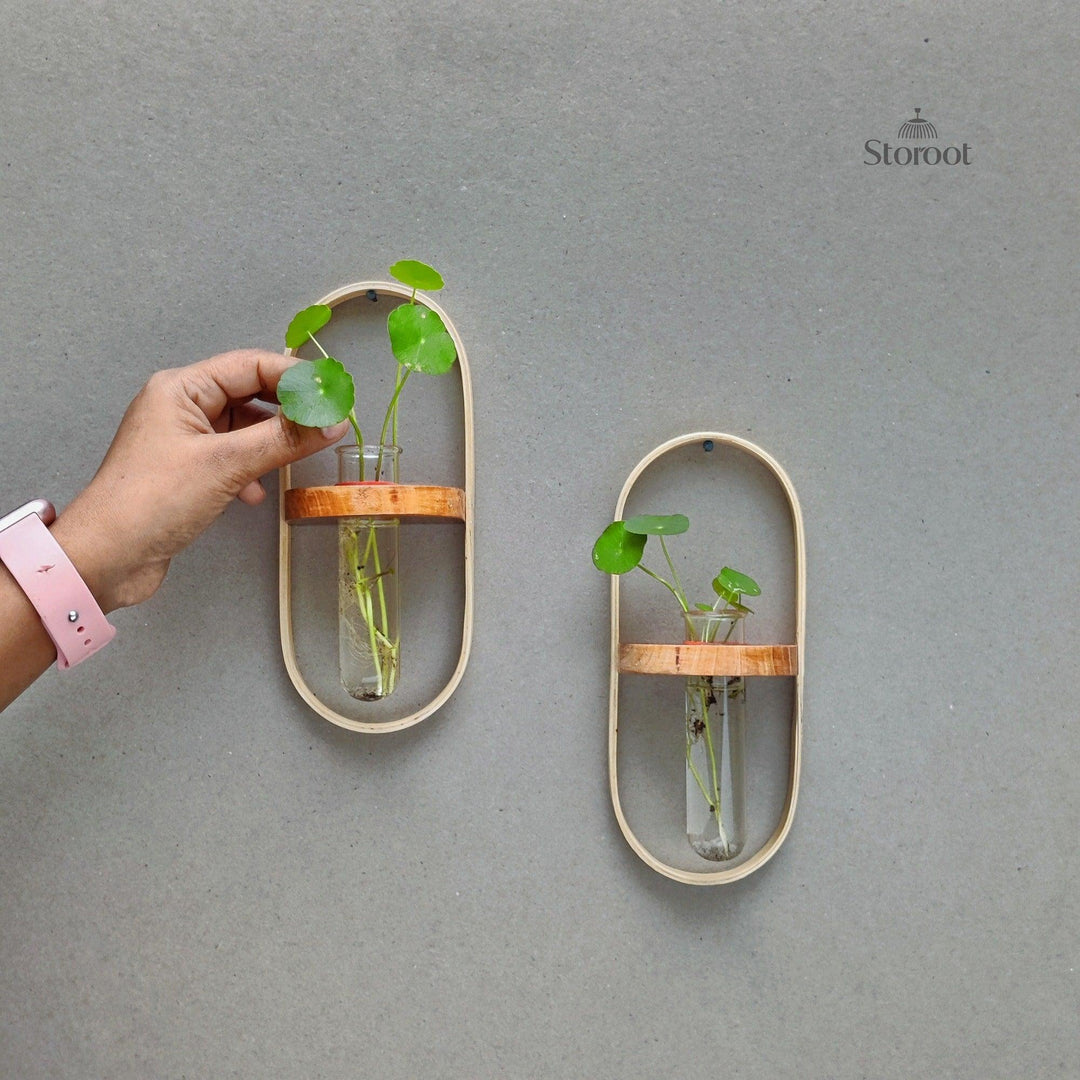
x=420, y=340
x=417, y=275
x=316, y=393
x=305, y=323
x=618, y=551
x=658, y=524
x=731, y=585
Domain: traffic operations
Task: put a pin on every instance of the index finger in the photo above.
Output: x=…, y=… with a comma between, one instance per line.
x=233, y=377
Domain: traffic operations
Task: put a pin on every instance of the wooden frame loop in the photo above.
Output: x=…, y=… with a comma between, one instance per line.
x=417, y=502
x=696, y=658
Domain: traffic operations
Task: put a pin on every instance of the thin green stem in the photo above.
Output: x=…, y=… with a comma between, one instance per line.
x=693, y=769
x=391, y=409
x=363, y=601
x=369, y=618
x=371, y=549
x=318, y=346
x=352, y=551
x=367, y=613
x=712, y=756
x=675, y=574
x=373, y=543
x=736, y=603
x=667, y=585
x=359, y=438
x=394, y=433
x=371, y=603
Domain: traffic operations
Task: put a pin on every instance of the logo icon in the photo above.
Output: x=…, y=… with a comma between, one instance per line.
x=917, y=128
x=924, y=135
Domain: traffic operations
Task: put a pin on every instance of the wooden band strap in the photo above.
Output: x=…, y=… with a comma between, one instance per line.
x=697, y=658
x=411, y=502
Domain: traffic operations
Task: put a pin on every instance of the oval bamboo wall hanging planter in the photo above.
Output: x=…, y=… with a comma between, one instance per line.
x=378, y=503
x=711, y=658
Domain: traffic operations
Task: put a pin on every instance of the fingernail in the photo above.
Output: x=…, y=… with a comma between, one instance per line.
x=336, y=431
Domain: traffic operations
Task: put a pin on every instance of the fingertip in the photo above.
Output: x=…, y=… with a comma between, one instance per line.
x=279, y=441
x=252, y=494
x=332, y=434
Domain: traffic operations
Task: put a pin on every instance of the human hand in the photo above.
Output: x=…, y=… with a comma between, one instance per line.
x=191, y=441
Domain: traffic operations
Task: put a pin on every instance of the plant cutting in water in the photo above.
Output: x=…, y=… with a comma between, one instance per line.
x=621, y=546
x=321, y=393
x=714, y=704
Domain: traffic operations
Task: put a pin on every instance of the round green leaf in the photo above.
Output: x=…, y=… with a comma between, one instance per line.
x=316, y=393
x=658, y=524
x=617, y=551
x=731, y=585
x=420, y=340
x=417, y=275
x=305, y=323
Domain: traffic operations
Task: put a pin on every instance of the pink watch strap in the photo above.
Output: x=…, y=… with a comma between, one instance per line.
x=68, y=610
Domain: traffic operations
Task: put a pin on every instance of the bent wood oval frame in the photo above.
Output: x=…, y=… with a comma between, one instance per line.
x=769, y=848
x=285, y=613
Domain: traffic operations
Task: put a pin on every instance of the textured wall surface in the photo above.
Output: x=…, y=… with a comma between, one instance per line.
x=652, y=219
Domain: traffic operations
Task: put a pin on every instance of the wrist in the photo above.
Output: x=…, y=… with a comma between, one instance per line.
x=90, y=541
x=62, y=599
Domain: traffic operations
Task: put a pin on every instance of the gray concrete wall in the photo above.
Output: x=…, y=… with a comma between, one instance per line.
x=652, y=219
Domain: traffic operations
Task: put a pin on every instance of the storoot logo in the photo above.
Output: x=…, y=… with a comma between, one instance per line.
x=918, y=130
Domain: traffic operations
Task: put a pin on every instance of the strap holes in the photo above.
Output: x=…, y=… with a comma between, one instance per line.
x=87, y=641
x=80, y=630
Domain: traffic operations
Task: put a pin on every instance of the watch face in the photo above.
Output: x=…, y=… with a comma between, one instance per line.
x=42, y=507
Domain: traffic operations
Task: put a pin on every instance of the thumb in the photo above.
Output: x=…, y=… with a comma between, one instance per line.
x=263, y=447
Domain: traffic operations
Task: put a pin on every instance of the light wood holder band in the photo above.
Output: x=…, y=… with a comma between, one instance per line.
x=702, y=658
x=414, y=502
x=411, y=502
x=697, y=658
